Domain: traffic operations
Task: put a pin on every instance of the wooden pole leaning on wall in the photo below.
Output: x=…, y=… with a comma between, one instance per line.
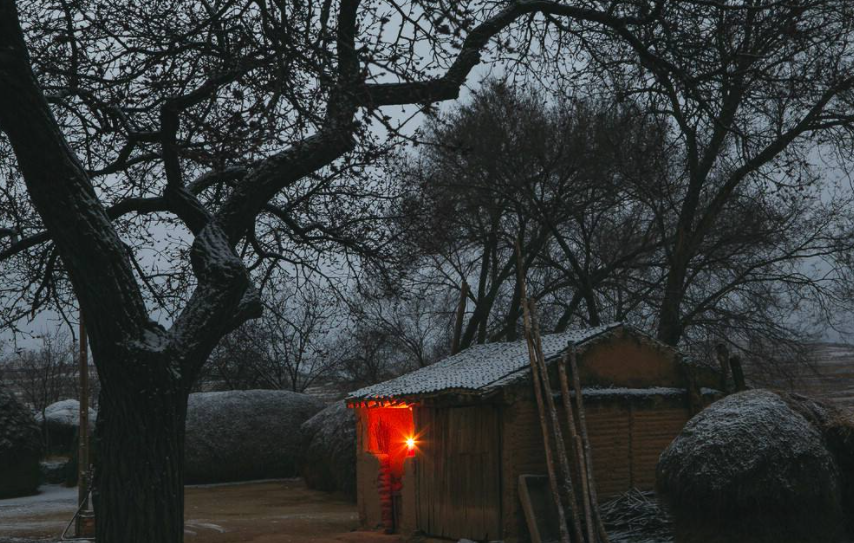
x=588, y=456
x=83, y=432
x=560, y=445
x=538, y=394
x=578, y=460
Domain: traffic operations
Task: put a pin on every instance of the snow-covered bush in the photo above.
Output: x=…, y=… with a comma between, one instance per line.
x=753, y=467
x=62, y=422
x=20, y=448
x=245, y=435
x=329, y=450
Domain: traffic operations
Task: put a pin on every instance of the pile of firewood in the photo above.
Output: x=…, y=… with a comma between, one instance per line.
x=637, y=517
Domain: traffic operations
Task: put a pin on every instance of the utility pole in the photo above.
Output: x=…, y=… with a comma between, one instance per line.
x=83, y=433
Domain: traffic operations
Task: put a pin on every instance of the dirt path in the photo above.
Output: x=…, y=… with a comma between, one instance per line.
x=270, y=512
x=260, y=512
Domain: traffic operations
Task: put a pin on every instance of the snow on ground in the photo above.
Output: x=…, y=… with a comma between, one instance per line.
x=50, y=499
x=38, y=518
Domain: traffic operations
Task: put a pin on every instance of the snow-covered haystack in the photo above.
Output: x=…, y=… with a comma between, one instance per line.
x=20, y=448
x=754, y=467
x=329, y=450
x=62, y=422
x=245, y=435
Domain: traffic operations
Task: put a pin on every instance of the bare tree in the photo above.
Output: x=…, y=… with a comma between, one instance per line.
x=561, y=174
x=233, y=364
x=46, y=374
x=289, y=348
x=753, y=92
x=415, y=320
x=300, y=325
x=367, y=356
x=221, y=117
x=598, y=189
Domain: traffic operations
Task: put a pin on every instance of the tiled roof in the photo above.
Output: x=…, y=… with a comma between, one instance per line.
x=480, y=368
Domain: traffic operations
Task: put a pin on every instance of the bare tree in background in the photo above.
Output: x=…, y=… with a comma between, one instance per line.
x=367, y=356
x=416, y=323
x=754, y=94
x=46, y=374
x=563, y=175
x=233, y=364
x=301, y=325
x=231, y=123
x=289, y=348
x=598, y=189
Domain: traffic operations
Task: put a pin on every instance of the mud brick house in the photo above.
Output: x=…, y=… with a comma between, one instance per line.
x=440, y=450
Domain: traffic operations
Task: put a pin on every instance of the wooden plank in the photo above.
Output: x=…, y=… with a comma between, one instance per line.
x=458, y=494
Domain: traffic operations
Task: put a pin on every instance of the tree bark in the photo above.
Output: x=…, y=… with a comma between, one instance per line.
x=590, y=301
x=139, y=481
x=669, y=319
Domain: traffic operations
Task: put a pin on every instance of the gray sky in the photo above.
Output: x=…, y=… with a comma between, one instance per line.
x=48, y=320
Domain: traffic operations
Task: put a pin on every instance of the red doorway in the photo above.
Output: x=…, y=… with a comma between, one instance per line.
x=391, y=431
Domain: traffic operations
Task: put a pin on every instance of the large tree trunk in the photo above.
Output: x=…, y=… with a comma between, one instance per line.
x=670, y=313
x=139, y=480
x=589, y=294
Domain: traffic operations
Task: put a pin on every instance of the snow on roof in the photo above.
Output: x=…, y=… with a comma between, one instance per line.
x=479, y=368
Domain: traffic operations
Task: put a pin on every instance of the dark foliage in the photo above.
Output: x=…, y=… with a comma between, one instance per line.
x=20, y=448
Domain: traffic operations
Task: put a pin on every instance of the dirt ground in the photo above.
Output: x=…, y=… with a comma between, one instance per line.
x=258, y=512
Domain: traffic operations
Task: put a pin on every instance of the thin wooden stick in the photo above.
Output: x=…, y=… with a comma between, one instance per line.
x=588, y=456
x=538, y=394
x=560, y=446
x=578, y=449
x=83, y=429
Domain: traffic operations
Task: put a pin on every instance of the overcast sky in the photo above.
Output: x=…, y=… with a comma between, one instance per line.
x=49, y=320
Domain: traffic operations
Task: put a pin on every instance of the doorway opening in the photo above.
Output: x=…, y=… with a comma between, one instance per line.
x=391, y=432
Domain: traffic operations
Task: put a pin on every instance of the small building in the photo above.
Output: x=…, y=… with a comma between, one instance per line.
x=440, y=450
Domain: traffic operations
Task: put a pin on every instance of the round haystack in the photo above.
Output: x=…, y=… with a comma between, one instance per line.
x=837, y=427
x=62, y=423
x=20, y=448
x=245, y=435
x=753, y=467
x=329, y=450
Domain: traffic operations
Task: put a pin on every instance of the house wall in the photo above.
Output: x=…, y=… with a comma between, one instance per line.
x=458, y=473
x=627, y=434
x=625, y=360
x=367, y=475
x=408, y=519
x=626, y=437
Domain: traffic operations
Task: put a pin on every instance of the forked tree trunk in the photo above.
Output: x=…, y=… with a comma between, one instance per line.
x=139, y=479
x=670, y=313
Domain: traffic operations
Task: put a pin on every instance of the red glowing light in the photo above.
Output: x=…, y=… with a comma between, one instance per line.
x=410, y=446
